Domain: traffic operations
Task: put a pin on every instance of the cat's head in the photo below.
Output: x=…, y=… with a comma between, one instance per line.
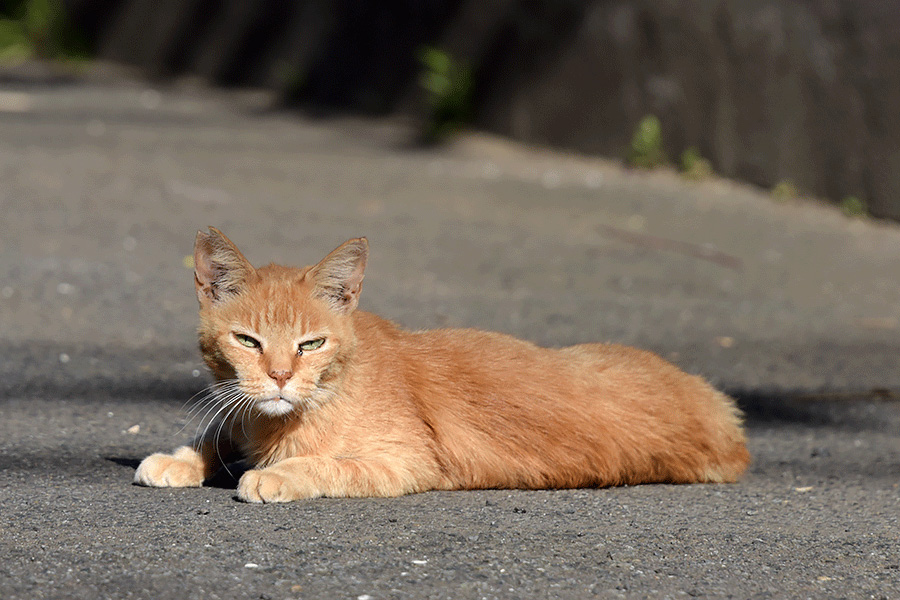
x=284, y=334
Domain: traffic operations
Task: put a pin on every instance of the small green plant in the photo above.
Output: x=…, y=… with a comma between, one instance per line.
x=646, y=144
x=694, y=166
x=448, y=84
x=854, y=206
x=785, y=190
x=14, y=43
x=38, y=29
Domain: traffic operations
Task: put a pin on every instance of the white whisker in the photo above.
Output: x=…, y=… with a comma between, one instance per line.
x=207, y=392
x=247, y=404
x=223, y=401
x=210, y=407
x=235, y=403
x=207, y=397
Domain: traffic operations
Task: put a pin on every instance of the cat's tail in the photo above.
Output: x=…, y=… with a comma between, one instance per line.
x=729, y=457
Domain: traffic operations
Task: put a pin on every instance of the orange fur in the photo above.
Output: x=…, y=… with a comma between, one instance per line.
x=378, y=411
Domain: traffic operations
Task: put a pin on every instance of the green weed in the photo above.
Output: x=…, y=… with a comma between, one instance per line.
x=646, y=144
x=448, y=84
x=38, y=29
x=694, y=166
x=854, y=207
x=785, y=190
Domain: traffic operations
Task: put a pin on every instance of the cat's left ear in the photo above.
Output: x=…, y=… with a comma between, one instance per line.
x=338, y=277
x=220, y=270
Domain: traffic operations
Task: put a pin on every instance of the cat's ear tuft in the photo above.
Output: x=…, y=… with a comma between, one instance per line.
x=220, y=270
x=337, y=279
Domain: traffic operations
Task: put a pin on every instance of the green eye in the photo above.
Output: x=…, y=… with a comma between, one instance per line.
x=311, y=345
x=248, y=341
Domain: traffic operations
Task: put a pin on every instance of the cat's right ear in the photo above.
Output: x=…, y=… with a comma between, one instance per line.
x=338, y=277
x=220, y=270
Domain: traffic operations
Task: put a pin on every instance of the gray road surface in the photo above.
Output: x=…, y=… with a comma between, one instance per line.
x=792, y=307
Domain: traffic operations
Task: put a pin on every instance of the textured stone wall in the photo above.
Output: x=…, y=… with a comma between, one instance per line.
x=769, y=91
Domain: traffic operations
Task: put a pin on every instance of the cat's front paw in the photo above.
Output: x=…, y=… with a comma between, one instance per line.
x=166, y=470
x=270, y=485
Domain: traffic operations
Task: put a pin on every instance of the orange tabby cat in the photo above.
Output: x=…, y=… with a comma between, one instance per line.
x=325, y=400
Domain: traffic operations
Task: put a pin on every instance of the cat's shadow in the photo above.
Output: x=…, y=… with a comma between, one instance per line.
x=226, y=478
x=123, y=461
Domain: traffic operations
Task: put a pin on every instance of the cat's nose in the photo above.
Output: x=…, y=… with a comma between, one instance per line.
x=280, y=377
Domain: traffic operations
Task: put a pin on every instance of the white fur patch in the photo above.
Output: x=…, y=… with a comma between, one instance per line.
x=275, y=407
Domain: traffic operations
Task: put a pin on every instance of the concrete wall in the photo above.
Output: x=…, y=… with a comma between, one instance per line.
x=769, y=91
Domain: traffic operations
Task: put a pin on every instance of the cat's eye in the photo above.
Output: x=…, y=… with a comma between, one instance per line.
x=248, y=341
x=311, y=345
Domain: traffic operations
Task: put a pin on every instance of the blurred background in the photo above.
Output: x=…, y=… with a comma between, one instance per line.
x=796, y=97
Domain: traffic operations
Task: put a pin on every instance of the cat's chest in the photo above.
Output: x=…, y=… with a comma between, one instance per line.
x=269, y=443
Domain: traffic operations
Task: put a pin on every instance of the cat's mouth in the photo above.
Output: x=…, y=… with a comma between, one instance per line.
x=276, y=406
x=284, y=402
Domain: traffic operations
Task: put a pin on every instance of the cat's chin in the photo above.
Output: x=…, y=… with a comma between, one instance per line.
x=275, y=407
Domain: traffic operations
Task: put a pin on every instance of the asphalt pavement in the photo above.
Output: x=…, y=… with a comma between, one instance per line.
x=790, y=306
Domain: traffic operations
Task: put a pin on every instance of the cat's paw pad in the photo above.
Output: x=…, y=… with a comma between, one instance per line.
x=165, y=470
x=268, y=485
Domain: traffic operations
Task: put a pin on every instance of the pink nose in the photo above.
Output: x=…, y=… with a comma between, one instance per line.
x=280, y=377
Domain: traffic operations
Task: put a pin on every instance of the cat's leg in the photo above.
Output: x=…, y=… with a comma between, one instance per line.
x=182, y=468
x=188, y=466
x=314, y=476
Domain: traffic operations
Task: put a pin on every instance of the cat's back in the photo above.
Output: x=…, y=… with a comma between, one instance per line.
x=445, y=348
x=506, y=412
x=486, y=362
x=493, y=361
